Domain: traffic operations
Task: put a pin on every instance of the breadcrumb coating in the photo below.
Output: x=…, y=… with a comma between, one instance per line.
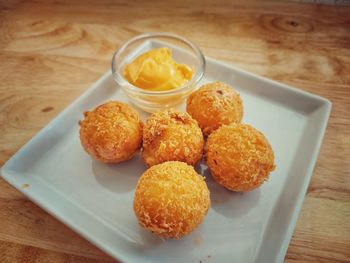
x=112, y=132
x=213, y=105
x=171, y=199
x=239, y=157
x=170, y=135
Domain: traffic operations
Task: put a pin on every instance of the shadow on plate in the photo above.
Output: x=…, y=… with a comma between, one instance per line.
x=153, y=245
x=121, y=177
x=227, y=203
x=149, y=240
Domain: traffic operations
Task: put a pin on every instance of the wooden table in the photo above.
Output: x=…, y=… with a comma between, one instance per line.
x=51, y=51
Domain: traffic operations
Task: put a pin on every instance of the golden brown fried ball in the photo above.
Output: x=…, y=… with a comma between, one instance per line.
x=112, y=132
x=170, y=135
x=171, y=199
x=239, y=157
x=213, y=105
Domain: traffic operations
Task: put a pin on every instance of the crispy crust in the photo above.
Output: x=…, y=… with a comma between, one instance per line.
x=112, y=132
x=171, y=199
x=239, y=157
x=213, y=105
x=170, y=135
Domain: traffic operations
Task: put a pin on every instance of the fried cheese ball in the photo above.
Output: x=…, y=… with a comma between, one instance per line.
x=213, y=105
x=239, y=157
x=170, y=135
x=112, y=132
x=171, y=199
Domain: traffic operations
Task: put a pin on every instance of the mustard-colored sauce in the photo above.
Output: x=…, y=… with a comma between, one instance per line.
x=156, y=70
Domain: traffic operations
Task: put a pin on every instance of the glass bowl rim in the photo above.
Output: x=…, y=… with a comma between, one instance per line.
x=195, y=79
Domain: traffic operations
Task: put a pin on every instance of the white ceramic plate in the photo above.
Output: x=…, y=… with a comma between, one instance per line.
x=96, y=199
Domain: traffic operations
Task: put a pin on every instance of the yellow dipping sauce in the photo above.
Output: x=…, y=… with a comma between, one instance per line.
x=156, y=70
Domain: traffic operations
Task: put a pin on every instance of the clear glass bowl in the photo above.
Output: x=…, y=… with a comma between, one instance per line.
x=184, y=52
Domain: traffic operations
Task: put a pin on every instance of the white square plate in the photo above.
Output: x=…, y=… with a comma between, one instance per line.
x=96, y=199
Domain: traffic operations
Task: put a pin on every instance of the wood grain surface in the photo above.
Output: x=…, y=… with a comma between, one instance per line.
x=51, y=51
